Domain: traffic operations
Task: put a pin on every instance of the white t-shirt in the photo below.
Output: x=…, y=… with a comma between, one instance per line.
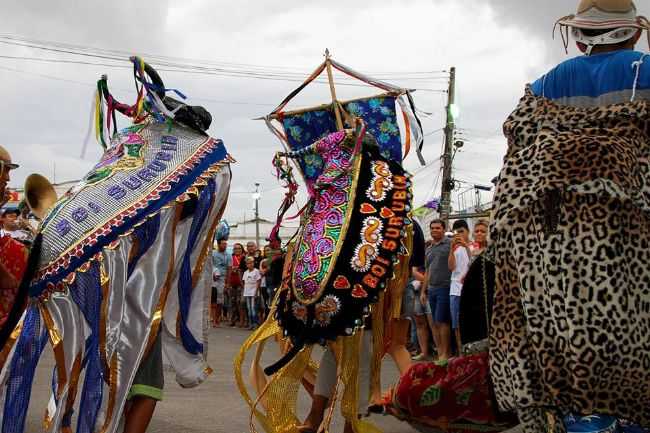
x=458, y=274
x=250, y=282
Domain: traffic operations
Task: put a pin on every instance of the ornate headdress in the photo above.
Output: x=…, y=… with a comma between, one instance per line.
x=618, y=16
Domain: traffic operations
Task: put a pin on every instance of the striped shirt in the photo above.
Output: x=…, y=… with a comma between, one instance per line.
x=597, y=80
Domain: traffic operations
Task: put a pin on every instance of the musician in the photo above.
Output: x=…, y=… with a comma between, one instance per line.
x=7, y=278
x=13, y=254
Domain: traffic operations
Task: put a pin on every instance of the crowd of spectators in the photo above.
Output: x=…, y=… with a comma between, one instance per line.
x=434, y=291
x=245, y=282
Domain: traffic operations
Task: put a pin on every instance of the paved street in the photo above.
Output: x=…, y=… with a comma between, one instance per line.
x=213, y=407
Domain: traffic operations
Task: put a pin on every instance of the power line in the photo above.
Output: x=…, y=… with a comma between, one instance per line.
x=253, y=72
x=52, y=77
x=122, y=55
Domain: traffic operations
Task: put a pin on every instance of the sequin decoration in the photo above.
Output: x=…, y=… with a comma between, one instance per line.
x=331, y=194
x=381, y=183
x=326, y=309
x=341, y=282
x=299, y=312
x=368, y=249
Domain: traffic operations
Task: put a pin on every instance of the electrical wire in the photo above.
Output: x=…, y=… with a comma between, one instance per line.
x=123, y=54
x=81, y=83
x=252, y=72
x=176, y=69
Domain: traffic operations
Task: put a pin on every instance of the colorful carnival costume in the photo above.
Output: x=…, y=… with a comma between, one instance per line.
x=350, y=250
x=120, y=264
x=571, y=317
x=13, y=259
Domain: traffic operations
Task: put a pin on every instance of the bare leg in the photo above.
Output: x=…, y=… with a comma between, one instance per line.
x=444, y=341
x=243, y=316
x=217, y=314
x=423, y=335
x=397, y=349
x=139, y=414
x=213, y=314
x=459, y=343
x=316, y=413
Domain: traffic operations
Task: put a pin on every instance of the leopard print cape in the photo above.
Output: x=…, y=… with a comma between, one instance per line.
x=570, y=329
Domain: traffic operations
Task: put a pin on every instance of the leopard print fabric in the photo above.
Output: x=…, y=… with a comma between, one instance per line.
x=570, y=328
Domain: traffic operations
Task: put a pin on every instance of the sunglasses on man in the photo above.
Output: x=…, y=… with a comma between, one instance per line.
x=5, y=165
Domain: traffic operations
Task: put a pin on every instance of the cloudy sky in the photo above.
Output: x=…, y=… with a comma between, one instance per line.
x=497, y=46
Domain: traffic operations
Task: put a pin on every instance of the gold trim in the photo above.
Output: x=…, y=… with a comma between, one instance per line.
x=339, y=244
x=111, y=394
x=72, y=390
x=10, y=343
x=200, y=263
x=103, y=317
x=57, y=347
x=162, y=301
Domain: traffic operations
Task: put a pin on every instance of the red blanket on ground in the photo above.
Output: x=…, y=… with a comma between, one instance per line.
x=454, y=397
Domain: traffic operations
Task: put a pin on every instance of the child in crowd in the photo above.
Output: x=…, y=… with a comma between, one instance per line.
x=252, y=280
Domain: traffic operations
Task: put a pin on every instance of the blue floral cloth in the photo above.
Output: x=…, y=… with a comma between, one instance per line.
x=600, y=424
x=379, y=114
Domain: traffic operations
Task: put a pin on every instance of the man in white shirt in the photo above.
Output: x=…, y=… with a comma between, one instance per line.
x=458, y=265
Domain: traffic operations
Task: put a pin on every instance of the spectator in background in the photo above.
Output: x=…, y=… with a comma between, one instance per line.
x=251, y=251
x=421, y=311
x=438, y=280
x=238, y=315
x=251, y=278
x=479, y=244
x=458, y=261
x=13, y=225
x=222, y=267
x=264, y=299
x=275, y=267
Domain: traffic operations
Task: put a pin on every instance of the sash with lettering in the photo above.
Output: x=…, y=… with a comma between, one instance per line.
x=351, y=234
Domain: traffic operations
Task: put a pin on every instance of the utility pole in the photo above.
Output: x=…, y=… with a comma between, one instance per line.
x=447, y=157
x=256, y=196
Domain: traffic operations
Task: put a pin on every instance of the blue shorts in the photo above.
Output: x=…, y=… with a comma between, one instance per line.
x=454, y=304
x=439, y=302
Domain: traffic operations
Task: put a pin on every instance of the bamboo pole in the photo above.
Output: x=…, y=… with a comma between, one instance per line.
x=330, y=78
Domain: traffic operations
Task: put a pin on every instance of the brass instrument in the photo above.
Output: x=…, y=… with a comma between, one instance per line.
x=39, y=195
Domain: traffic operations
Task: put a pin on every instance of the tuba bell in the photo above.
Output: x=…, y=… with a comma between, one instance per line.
x=39, y=195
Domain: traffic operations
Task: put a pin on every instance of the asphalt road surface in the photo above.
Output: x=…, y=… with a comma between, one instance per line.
x=213, y=407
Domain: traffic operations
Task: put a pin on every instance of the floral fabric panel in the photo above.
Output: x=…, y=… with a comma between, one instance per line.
x=323, y=229
x=379, y=114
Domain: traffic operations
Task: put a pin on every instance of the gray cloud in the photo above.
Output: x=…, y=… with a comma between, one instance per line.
x=497, y=47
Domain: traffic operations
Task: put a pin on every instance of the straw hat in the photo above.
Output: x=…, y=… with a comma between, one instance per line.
x=619, y=16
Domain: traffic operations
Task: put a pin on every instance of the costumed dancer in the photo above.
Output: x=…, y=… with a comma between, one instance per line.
x=120, y=270
x=346, y=267
x=13, y=254
x=352, y=235
x=570, y=330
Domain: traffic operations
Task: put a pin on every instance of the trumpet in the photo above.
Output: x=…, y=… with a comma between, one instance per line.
x=40, y=195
